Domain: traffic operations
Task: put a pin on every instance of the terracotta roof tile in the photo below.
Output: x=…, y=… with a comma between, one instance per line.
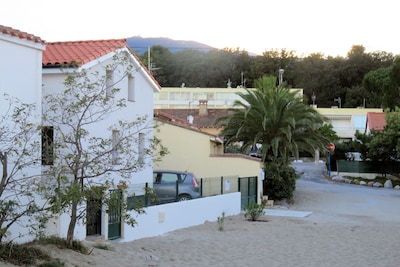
x=20, y=34
x=376, y=120
x=78, y=52
x=202, y=121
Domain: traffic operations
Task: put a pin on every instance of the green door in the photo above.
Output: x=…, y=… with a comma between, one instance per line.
x=114, y=214
x=248, y=189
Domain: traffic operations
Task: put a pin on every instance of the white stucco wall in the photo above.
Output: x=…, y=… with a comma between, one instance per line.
x=20, y=77
x=161, y=219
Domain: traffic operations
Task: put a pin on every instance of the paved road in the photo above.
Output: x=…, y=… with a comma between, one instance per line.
x=333, y=201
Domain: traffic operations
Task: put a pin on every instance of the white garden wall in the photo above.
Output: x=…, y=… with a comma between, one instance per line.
x=165, y=218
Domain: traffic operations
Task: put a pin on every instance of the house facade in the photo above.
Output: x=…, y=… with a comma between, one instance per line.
x=346, y=121
x=192, y=149
x=136, y=85
x=20, y=79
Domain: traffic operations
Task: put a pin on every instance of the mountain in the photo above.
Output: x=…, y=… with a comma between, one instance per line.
x=140, y=45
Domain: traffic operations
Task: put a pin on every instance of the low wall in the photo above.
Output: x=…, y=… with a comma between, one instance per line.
x=356, y=174
x=165, y=218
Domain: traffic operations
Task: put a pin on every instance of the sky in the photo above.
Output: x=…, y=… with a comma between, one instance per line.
x=304, y=26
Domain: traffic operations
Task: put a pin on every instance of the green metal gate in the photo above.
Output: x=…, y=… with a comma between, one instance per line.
x=248, y=189
x=114, y=214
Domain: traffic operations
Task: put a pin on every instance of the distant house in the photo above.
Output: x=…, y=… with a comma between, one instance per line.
x=375, y=121
x=181, y=100
x=137, y=88
x=20, y=78
x=199, y=115
x=194, y=149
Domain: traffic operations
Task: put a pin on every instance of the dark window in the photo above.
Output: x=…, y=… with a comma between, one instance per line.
x=47, y=145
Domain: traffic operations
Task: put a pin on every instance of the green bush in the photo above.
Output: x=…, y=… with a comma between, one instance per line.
x=253, y=210
x=21, y=254
x=280, y=181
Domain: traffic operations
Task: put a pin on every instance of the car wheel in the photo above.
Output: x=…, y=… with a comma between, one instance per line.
x=184, y=197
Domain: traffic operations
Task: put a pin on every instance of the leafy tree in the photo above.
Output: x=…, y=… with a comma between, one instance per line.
x=395, y=78
x=19, y=158
x=161, y=60
x=319, y=76
x=361, y=143
x=326, y=130
x=188, y=68
x=355, y=97
x=382, y=90
x=83, y=157
x=385, y=145
x=277, y=119
x=358, y=63
x=269, y=63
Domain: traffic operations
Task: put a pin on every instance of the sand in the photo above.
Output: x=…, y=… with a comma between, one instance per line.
x=346, y=225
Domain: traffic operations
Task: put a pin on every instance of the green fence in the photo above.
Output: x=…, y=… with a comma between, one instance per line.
x=247, y=186
x=382, y=167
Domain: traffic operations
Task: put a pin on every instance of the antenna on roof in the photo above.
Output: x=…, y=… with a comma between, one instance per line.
x=151, y=66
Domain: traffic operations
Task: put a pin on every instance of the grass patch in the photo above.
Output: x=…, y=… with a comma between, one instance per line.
x=22, y=254
x=62, y=244
x=103, y=246
x=52, y=263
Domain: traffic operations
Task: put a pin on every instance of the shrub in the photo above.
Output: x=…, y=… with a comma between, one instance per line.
x=21, y=254
x=221, y=220
x=280, y=181
x=253, y=210
x=103, y=246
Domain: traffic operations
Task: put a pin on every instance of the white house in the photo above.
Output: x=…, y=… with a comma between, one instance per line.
x=61, y=59
x=20, y=78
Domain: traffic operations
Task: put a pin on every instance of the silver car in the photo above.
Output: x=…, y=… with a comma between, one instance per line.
x=173, y=186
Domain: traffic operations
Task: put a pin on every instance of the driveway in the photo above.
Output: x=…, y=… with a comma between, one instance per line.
x=334, y=201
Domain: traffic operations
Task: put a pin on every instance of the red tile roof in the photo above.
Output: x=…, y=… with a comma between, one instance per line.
x=78, y=52
x=202, y=121
x=376, y=121
x=20, y=34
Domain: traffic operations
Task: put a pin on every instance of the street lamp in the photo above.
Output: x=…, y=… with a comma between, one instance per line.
x=313, y=97
x=339, y=100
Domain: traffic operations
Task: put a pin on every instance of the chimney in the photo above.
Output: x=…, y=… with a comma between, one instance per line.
x=203, y=107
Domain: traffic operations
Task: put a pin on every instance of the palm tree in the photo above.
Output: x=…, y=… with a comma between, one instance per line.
x=275, y=118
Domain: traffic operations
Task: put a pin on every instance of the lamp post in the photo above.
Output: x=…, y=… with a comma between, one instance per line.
x=313, y=97
x=281, y=71
x=339, y=100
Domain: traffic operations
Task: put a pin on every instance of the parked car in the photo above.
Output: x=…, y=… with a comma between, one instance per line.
x=165, y=184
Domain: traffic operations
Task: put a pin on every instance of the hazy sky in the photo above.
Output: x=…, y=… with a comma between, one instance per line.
x=306, y=26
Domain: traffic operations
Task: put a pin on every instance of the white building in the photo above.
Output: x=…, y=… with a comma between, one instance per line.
x=137, y=88
x=21, y=79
